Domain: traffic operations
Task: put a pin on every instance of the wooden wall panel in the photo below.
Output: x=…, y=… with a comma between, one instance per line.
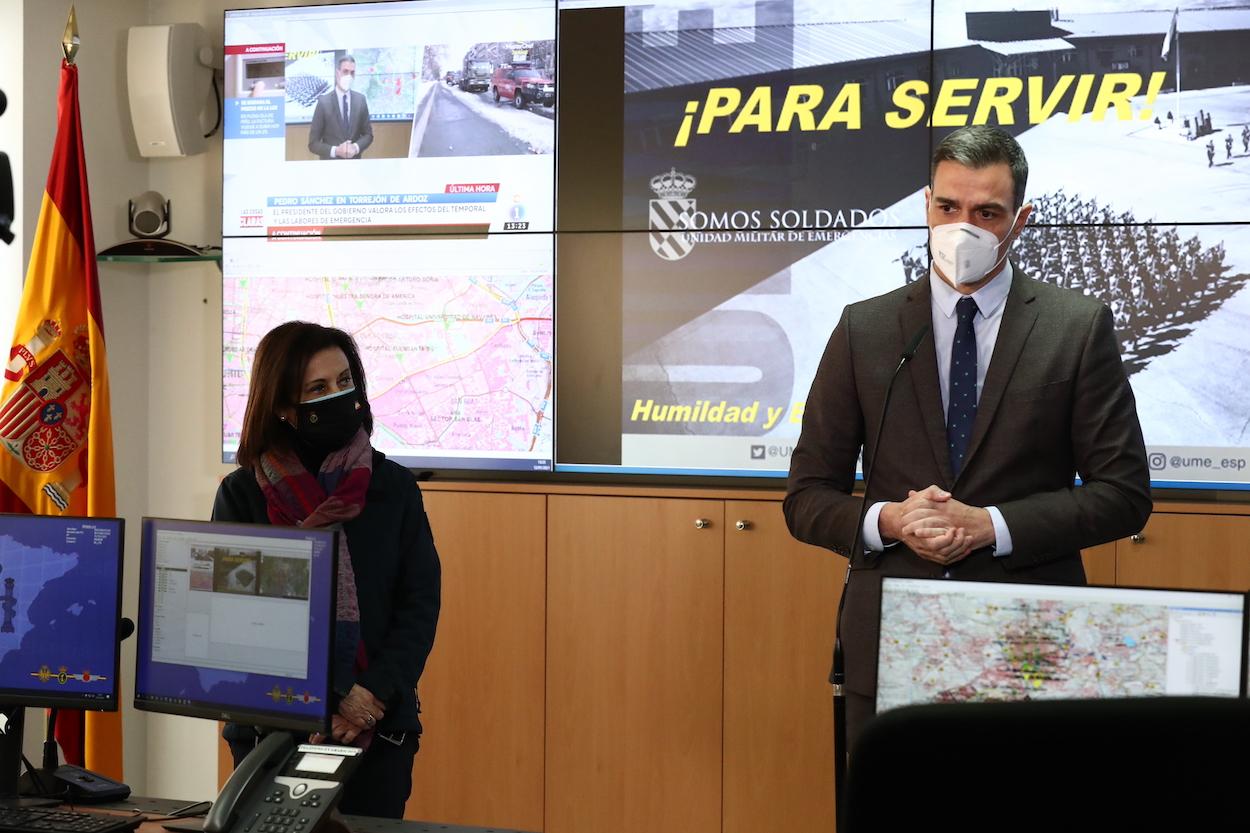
x=481, y=758
x=225, y=763
x=634, y=665
x=1188, y=551
x=1100, y=564
x=781, y=598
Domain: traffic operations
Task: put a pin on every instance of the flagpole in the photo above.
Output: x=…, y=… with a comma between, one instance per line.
x=1179, y=112
x=70, y=39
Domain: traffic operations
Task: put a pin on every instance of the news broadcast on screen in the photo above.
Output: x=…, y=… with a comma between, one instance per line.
x=395, y=118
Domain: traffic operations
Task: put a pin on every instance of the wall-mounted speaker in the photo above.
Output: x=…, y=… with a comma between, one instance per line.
x=168, y=75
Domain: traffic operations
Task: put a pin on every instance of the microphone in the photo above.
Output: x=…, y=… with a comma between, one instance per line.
x=838, y=675
x=908, y=355
x=125, y=628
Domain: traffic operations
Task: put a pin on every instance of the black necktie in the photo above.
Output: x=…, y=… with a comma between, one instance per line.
x=345, y=122
x=961, y=410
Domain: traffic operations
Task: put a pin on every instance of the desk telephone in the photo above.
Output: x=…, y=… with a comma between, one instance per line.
x=282, y=786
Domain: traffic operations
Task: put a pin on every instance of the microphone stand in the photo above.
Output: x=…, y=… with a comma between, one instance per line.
x=838, y=676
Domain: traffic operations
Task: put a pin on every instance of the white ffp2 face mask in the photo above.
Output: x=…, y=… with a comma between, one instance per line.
x=345, y=82
x=966, y=253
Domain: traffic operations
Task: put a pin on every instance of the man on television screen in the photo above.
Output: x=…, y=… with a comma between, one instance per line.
x=1016, y=388
x=340, y=125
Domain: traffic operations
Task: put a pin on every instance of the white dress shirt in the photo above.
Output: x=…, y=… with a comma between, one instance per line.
x=991, y=299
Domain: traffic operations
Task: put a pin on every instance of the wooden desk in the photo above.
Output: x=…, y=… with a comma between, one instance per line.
x=161, y=807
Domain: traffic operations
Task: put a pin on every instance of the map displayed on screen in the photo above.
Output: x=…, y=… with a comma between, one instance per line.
x=455, y=336
x=58, y=609
x=944, y=641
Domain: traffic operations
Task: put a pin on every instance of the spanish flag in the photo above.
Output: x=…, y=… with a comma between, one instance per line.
x=56, y=441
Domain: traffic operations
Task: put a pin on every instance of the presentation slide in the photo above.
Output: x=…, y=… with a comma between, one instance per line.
x=773, y=163
x=455, y=336
x=396, y=117
x=717, y=364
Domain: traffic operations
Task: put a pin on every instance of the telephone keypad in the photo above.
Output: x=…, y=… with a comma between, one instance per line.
x=287, y=812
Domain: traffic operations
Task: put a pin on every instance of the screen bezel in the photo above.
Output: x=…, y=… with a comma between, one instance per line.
x=225, y=711
x=36, y=699
x=1244, y=661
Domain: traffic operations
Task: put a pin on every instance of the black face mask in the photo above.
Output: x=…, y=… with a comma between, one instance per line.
x=327, y=424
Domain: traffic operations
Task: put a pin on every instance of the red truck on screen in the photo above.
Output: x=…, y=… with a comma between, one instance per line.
x=523, y=84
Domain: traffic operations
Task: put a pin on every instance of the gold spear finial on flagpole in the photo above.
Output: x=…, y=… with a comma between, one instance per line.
x=69, y=40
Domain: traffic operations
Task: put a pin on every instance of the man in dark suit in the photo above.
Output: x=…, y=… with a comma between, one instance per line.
x=1016, y=389
x=340, y=125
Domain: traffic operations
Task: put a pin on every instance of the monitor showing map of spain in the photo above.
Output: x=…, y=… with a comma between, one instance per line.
x=962, y=641
x=60, y=608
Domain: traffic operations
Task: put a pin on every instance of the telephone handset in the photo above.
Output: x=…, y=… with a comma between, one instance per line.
x=280, y=783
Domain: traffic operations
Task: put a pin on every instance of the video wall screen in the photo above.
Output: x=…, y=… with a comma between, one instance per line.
x=396, y=117
x=729, y=175
x=455, y=337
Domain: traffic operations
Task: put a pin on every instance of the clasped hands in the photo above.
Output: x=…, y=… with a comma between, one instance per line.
x=346, y=150
x=935, y=526
x=358, y=712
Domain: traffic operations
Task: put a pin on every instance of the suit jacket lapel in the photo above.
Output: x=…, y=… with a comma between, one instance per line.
x=917, y=312
x=1019, y=315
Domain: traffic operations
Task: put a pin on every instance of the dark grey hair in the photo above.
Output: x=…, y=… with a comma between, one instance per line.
x=339, y=63
x=979, y=146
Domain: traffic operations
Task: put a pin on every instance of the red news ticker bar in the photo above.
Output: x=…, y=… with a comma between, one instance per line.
x=257, y=49
x=373, y=232
x=295, y=232
x=472, y=188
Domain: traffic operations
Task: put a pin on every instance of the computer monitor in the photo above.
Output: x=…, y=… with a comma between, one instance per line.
x=60, y=622
x=965, y=641
x=236, y=622
x=60, y=611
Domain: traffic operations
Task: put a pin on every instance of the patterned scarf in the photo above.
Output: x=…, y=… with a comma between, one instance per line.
x=336, y=494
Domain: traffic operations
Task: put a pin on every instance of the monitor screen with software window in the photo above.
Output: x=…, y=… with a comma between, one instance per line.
x=236, y=622
x=60, y=610
x=953, y=641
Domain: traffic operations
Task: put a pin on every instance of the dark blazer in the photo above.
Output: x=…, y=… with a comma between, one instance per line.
x=327, y=128
x=398, y=579
x=1056, y=404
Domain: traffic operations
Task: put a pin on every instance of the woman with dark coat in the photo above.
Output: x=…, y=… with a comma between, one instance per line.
x=305, y=460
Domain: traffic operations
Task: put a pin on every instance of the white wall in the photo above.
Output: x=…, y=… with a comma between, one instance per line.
x=12, y=262
x=11, y=258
